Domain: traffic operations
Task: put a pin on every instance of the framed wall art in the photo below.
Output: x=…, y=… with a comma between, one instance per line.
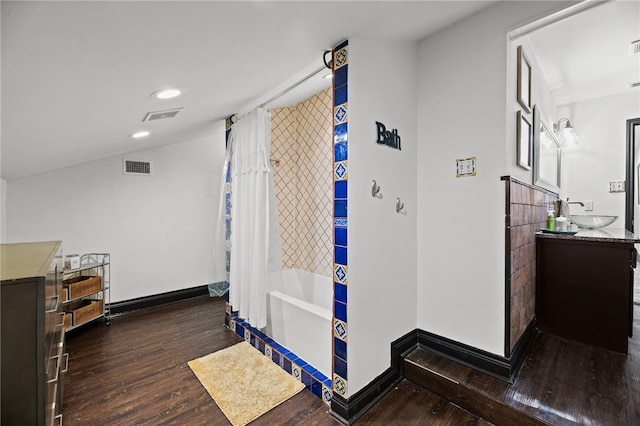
x=524, y=80
x=523, y=133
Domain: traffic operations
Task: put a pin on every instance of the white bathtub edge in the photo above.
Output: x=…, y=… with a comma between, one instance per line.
x=323, y=313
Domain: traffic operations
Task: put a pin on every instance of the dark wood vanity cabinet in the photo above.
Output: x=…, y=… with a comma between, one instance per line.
x=32, y=347
x=584, y=289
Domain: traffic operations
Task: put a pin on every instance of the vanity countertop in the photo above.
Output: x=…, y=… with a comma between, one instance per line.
x=606, y=235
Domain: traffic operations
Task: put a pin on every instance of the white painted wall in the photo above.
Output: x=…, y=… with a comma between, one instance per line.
x=3, y=188
x=540, y=95
x=465, y=109
x=3, y=183
x=382, y=243
x=158, y=229
x=3, y=210
x=600, y=156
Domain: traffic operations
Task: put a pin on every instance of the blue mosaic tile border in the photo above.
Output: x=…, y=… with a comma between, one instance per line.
x=302, y=371
x=340, y=216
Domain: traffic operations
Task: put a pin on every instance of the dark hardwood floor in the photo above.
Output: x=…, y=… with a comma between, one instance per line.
x=410, y=404
x=562, y=382
x=135, y=372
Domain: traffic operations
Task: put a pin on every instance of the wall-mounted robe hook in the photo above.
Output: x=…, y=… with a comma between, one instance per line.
x=375, y=188
x=399, y=205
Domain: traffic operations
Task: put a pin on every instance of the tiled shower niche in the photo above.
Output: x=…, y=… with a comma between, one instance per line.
x=525, y=213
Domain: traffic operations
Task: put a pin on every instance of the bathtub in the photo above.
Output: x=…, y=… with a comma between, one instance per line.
x=299, y=317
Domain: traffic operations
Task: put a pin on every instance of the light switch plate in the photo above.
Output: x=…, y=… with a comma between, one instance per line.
x=465, y=167
x=588, y=206
x=617, y=186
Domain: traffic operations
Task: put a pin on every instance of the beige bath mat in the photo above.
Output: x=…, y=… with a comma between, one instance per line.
x=244, y=383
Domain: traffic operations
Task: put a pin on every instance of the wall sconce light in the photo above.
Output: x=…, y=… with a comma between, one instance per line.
x=566, y=134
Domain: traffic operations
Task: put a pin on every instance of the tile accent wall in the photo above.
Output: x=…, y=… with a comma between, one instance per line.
x=301, y=154
x=340, y=221
x=525, y=213
x=284, y=161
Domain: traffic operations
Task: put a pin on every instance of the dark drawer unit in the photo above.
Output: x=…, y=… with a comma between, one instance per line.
x=584, y=290
x=33, y=361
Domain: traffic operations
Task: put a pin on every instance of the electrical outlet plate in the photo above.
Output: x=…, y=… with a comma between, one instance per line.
x=617, y=186
x=466, y=167
x=588, y=206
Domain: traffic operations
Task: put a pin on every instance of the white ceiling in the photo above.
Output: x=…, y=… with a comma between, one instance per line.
x=588, y=55
x=77, y=75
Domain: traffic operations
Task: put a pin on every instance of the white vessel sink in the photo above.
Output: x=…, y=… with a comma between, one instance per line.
x=593, y=221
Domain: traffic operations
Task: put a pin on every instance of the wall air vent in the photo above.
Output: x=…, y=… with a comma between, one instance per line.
x=160, y=115
x=136, y=167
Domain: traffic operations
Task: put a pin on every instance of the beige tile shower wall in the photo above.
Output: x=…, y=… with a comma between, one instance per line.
x=284, y=160
x=302, y=140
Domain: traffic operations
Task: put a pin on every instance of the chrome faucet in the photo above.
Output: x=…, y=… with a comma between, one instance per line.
x=575, y=202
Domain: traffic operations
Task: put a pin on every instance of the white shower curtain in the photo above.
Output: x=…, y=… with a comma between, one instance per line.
x=255, y=238
x=220, y=282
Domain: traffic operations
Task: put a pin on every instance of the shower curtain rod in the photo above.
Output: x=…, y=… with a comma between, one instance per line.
x=293, y=86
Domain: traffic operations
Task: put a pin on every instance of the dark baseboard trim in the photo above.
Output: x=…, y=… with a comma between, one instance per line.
x=478, y=359
x=505, y=368
x=522, y=349
x=351, y=409
x=400, y=348
x=348, y=410
x=146, y=302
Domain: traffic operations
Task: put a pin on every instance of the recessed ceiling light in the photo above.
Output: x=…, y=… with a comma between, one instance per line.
x=140, y=134
x=328, y=76
x=166, y=93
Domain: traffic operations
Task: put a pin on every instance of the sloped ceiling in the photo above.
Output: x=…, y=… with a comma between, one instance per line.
x=588, y=55
x=77, y=76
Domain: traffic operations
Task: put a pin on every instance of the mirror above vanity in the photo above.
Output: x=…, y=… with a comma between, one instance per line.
x=547, y=153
